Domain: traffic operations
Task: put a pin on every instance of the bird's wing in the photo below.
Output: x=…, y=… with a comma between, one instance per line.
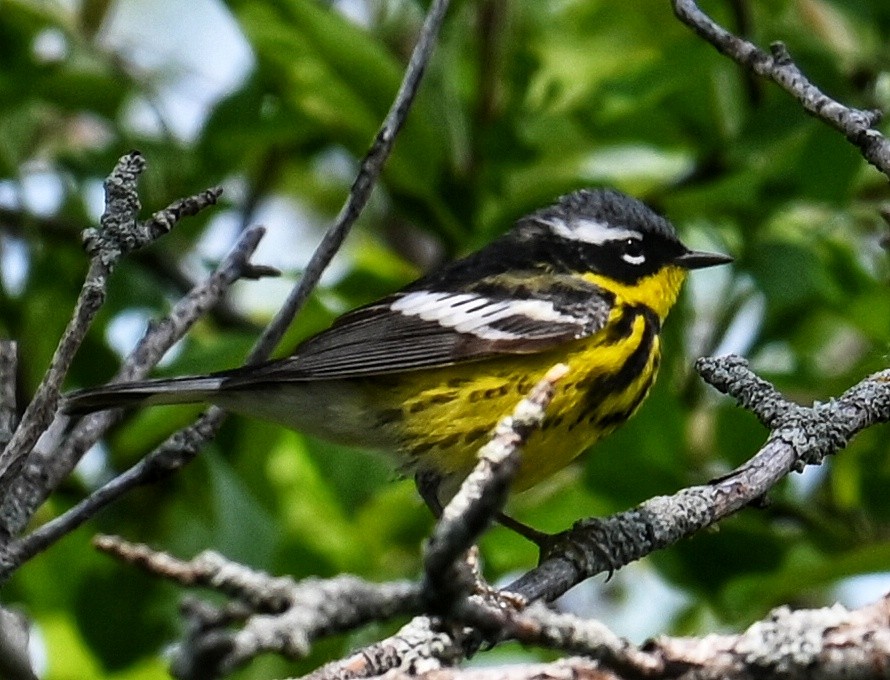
x=418, y=328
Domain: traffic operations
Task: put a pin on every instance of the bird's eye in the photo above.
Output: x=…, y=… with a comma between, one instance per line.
x=632, y=251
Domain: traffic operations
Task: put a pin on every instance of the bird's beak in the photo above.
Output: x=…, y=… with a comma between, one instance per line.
x=699, y=259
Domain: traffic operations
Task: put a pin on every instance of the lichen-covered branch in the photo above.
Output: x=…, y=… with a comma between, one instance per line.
x=282, y=616
x=278, y=614
x=800, y=436
x=418, y=648
x=182, y=446
x=483, y=493
x=285, y=617
x=808, y=644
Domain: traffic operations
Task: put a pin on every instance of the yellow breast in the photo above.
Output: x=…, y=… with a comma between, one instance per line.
x=441, y=423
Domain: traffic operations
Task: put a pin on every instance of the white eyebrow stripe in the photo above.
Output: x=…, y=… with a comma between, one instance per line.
x=592, y=232
x=440, y=307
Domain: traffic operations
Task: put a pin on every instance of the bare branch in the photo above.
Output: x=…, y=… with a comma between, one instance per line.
x=54, y=457
x=540, y=626
x=820, y=643
x=58, y=229
x=811, y=644
x=418, y=648
x=182, y=446
x=120, y=232
x=800, y=434
x=175, y=452
x=565, y=669
x=816, y=644
x=303, y=611
x=59, y=450
x=858, y=126
x=293, y=620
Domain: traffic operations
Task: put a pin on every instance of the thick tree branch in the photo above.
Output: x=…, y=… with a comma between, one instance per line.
x=858, y=126
x=282, y=616
x=800, y=436
x=814, y=644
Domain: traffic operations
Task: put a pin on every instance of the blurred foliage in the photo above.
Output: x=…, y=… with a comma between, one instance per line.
x=523, y=101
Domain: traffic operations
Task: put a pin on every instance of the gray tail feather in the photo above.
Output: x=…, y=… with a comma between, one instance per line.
x=123, y=395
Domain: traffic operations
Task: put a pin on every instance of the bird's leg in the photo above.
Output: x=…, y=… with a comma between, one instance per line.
x=540, y=538
x=427, y=484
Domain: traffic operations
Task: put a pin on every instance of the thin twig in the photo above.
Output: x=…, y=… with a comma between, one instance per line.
x=120, y=232
x=484, y=492
x=181, y=447
x=799, y=434
x=175, y=452
x=285, y=616
x=54, y=457
x=369, y=172
x=292, y=624
x=540, y=626
x=857, y=125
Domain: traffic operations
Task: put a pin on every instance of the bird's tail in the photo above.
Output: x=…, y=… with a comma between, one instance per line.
x=123, y=395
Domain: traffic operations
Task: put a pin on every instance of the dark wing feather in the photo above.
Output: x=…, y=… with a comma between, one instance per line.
x=440, y=330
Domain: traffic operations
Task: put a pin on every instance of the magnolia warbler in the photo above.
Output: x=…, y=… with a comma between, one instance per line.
x=428, y=371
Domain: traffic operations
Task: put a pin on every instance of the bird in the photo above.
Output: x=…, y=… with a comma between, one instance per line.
x=427, y=372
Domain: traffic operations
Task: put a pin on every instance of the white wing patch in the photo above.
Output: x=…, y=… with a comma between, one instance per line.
x=468, y=313
x=591, y=231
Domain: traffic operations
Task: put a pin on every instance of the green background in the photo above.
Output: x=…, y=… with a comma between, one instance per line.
x=522, y=101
